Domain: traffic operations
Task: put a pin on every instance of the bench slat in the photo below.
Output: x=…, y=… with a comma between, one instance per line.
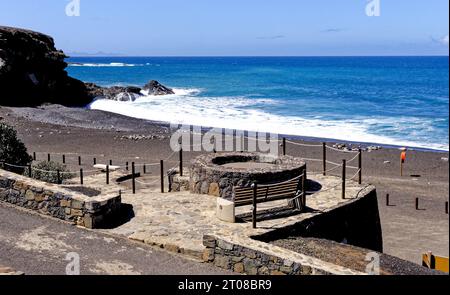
x=250, y=190
x=268, y=190
x=237, y=189
x=266, y=194
x=262, y=200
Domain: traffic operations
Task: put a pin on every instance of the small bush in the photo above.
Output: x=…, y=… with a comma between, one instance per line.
x=12, y=150
x=47, y=171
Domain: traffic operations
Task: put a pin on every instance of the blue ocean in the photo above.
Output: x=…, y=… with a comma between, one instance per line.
x=402, y=101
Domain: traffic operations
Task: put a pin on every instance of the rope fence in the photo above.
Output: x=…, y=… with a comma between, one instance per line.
x=180, y=164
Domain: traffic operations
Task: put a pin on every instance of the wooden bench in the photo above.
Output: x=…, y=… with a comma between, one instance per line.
x=103, y=167
x=293, y=190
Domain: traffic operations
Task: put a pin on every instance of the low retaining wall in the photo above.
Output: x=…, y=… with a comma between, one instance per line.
x=50, y=199
x=356, y=223
x=257, y=258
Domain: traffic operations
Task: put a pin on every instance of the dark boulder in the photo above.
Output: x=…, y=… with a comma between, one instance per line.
x=118, y=93
x=122, y=93
x=155, y=88
x=32, y=71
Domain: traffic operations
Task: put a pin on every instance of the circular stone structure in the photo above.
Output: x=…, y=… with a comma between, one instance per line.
x=216, y=174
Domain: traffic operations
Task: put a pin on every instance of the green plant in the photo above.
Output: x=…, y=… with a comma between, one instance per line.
x=12, y=149
x=48, y=172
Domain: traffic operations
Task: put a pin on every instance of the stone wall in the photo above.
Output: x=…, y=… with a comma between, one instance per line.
x=52, y=200
x=257, y=258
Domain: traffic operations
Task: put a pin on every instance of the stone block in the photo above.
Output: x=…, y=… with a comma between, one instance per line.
x=277, y=273
x=209, y=241
x=39, y=198
x=306, y=270
x=225, y=210
x=172, y=248
x=286, y=269
x=76, y=212
x=88, y=221
x=29, y=195
x=224, y=245
x=214, y=189
x=250, y=253
x=65, y=203
x=238, y=268
x=222, y=262
x=208, y=255
x=250, y=267
x=264, y=270
x=204, y=188
x=77, y=204
x=237, y=258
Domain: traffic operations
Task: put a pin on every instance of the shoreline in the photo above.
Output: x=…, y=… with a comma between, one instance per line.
x=370, y=139
x=160, y=124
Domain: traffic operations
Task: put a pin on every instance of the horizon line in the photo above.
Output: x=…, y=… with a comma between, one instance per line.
x=166, y=56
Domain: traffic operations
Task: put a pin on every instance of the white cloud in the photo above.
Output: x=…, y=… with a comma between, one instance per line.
x=444, y=40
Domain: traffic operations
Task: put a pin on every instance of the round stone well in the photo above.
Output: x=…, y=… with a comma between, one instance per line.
x=216, y=174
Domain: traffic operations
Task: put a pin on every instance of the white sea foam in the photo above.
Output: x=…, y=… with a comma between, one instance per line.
x=113, y=64
x=237, y=113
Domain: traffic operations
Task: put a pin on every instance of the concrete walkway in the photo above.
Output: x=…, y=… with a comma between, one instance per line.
x=178, y=221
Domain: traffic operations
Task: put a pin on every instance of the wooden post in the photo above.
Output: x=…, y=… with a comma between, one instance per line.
x=255, y=204
x=417, y=203
x=107, y=174
x=324, y=158
x=81, y=177
x=144, y=169
x=446, y=207
x=64, y=159
x=126, y=166
x=133, y=171
x=360, y=166
x=34, y=156
x=79, y=160
x=181, y=162
x=95, y=161
x=303, y=190
x=284, y=146
x=48, y=158
x=162, y=176
x=29, y=171
x=58, y=176
x=388, y=203
x=344, y=167
x=110, y=162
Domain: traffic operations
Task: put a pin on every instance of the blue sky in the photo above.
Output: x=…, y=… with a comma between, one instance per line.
x=232, y=27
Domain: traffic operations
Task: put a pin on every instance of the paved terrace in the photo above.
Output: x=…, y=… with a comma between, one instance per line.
x=178, y=221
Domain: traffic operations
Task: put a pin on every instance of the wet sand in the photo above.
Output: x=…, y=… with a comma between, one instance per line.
x=407, y=232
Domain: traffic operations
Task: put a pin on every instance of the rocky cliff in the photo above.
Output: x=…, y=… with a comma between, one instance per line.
x=32, y=71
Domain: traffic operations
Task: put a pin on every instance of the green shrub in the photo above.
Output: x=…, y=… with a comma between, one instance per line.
x=12, y=150
x=47, y=171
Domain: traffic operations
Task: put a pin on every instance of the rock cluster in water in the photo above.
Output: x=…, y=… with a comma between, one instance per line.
x=129, y=93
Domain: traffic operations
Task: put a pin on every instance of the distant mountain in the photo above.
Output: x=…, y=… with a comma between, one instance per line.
x=99, y=53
